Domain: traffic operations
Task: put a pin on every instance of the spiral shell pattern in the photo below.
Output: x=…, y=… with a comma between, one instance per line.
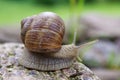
x=43, y=33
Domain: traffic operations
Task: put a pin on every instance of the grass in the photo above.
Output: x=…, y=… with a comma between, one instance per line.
x=12, y=12
x=107, y=8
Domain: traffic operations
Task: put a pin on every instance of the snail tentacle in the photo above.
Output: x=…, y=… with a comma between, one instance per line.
x=87, y=44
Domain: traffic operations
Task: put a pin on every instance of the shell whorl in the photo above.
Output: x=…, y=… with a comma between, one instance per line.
x=43, y=33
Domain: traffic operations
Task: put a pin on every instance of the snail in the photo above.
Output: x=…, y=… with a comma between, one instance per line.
x=42, y=36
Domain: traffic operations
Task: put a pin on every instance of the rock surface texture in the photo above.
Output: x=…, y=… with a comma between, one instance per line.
x=10, y=69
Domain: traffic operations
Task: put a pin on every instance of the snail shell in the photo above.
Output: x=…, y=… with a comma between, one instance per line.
x=42, y=35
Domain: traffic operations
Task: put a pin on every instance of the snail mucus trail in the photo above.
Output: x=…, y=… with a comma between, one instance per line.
x=42, y=36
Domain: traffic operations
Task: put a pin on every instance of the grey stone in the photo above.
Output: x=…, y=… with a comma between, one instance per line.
x=78, y=71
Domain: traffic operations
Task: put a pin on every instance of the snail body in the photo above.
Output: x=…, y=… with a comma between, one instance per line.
x=42, y=35
x=54, y=61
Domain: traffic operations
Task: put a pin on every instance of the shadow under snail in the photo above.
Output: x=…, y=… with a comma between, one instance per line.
x=42, y=36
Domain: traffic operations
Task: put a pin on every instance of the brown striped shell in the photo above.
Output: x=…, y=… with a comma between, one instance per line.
x=43, y=33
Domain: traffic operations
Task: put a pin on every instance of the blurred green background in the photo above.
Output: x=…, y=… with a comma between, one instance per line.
x=12, y=11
